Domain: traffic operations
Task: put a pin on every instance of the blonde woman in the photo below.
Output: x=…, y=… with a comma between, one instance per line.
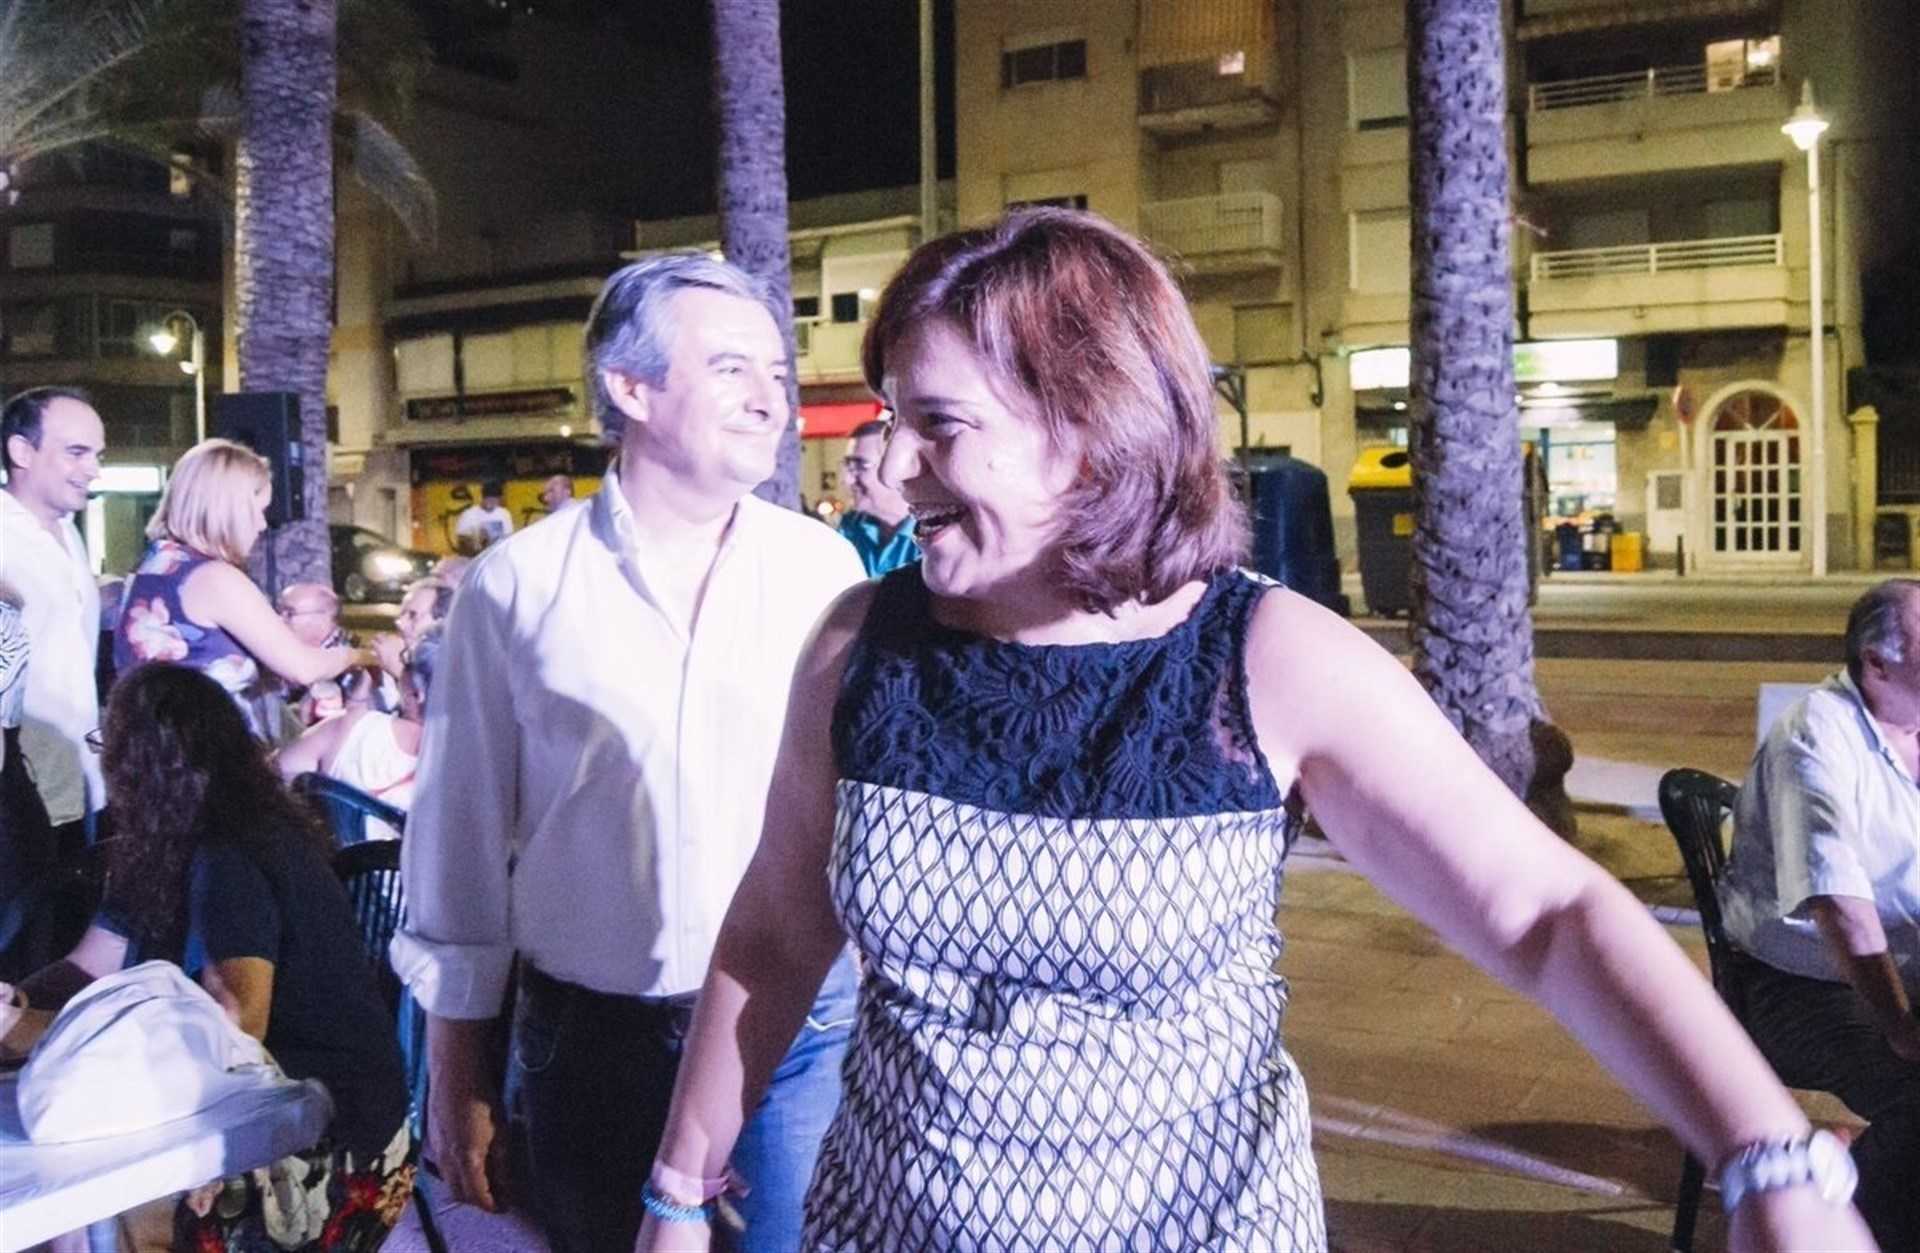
x=191, y=601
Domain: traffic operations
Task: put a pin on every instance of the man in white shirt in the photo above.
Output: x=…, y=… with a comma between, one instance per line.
x=52, y=441
x=484, y=524
x=1822, y=898
x=595, y=767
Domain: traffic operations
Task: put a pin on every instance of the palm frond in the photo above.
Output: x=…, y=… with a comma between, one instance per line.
x=53, y=64
x=383, y=165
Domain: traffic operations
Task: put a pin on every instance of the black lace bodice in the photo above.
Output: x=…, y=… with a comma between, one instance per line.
x=1155, y=727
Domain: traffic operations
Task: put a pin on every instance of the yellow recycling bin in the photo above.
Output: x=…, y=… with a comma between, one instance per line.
x=1629, y=552
x=1381, y=484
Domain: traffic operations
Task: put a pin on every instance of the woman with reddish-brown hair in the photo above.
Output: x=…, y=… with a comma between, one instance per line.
x=1045, y=781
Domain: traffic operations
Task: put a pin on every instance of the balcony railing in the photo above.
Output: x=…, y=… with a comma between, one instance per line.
x=1666, y=80
x=1667, y=258
x=1240, y=221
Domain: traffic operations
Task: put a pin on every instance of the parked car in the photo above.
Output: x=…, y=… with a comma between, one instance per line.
x=367, y=566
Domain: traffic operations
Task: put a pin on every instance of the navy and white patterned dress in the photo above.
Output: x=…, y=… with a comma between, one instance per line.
x=1061, y=864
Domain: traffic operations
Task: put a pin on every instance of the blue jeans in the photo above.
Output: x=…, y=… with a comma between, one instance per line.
x=590, y=1078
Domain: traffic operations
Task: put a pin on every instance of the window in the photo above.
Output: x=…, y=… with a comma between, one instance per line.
x=1043, y=63
x=424, y=366
x=1377, y=89
x=30, y=329
x=1050, y=202
x=30, y=247
x=1382, y=252
x=806, y=308
x=846, y=306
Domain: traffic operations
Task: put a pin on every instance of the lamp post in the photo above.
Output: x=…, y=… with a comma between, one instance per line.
x=164, y=341
x=1805, y=128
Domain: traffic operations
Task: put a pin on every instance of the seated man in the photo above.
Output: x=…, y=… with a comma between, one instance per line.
x=312, y=612
x=1822, y=898
x=374, y=751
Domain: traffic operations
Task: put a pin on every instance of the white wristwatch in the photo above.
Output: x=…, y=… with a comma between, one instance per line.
x=1817, y=1158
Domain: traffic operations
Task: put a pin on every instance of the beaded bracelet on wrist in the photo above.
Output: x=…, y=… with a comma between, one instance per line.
x=668, y=1210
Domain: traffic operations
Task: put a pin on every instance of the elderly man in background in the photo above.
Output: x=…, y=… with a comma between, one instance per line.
x=312, y=612
x=879, y=526
x=556, y=493
x=51, y=440
x=594, y=772
x=1822, y=898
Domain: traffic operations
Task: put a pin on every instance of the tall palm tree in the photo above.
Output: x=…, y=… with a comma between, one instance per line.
x=1472, y=631
x=750, y=105
x=283, y=238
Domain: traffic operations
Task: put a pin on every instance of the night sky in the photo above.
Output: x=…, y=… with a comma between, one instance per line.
x=852, y=78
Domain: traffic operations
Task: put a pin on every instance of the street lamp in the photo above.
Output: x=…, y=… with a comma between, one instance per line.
x=1804, y=128
x=165, y=340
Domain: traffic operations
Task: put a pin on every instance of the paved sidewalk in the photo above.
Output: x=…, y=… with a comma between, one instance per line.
x=1449, y=1114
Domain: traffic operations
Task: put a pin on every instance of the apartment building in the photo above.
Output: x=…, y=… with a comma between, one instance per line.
x=1661, y=234
x=101, y=250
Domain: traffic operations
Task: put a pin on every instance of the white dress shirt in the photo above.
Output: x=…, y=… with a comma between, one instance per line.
x=1828, y=809
x=52, y=582
x=591, y=782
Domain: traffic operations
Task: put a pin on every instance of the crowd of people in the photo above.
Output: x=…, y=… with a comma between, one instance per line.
x=909, y=888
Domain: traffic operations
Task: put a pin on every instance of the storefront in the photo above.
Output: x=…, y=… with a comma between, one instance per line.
x=446, y=480
x=1571, y=410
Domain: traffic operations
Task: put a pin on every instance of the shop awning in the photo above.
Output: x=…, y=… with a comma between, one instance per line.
x=836, y=421
x=1636, y=13
x=1173, y=32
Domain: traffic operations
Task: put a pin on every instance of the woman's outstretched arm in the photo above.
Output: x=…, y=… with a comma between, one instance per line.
x=780, y=936
x=1407, y=802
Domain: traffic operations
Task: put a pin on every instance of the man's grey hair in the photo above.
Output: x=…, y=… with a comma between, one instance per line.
x=423, y=658
x=1874, y=626
x=627, y=329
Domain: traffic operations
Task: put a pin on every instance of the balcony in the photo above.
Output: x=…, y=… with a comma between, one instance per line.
x=1667, y=118
x=1668, y=80
x=1198, y=96
x=1232, y=233
x=1678, y=285
x=826, y=351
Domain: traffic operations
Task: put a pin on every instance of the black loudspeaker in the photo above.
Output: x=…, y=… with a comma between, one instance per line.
x=269, y=423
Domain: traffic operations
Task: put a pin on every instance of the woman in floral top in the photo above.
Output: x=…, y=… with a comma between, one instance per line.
x=191, y=601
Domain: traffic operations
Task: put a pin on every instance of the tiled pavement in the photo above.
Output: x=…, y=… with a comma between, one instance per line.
x=1449, y=1114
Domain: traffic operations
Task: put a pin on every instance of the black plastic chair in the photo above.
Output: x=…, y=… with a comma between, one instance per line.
x=1696, y=806
x=345, y=808
x=370, y=872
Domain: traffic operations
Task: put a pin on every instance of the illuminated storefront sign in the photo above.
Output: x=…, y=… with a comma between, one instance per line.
x=1542, y=361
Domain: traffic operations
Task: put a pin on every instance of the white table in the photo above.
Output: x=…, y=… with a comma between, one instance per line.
x=47, y=1189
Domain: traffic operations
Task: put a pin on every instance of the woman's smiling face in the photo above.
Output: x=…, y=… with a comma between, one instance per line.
x=978, y=470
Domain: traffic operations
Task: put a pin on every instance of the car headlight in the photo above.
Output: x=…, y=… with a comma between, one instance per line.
x=389, y=566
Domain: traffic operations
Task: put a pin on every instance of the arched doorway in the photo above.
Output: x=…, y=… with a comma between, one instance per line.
x=1752, y=465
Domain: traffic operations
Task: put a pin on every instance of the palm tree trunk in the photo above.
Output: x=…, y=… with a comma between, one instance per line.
x=1472, y=631
x=750, y=104
x=283, y=240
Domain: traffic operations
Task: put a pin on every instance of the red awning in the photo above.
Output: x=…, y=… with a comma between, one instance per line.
x=836, y=421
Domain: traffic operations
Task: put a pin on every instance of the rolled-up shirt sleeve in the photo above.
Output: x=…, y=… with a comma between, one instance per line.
x=456, y=948
x=1812, y=814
